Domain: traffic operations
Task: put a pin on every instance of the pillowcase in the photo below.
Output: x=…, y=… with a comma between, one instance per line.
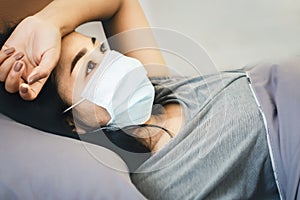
x=39, y=165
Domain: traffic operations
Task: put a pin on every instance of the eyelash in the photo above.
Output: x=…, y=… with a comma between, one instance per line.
x=90, y=67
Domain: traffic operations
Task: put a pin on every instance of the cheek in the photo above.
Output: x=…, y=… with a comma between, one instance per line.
x=78, y=80
x=86, y=114
x=103, y=116
x=64, y=89
x=90, y=115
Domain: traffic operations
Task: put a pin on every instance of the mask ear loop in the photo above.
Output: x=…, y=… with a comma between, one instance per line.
x=72, y=106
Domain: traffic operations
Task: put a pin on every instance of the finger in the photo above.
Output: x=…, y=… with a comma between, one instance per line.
x=39, y=75
x=24, y=91
x=48, y=63
x=7, y=64
x=30, y=91
x=4, y=54
x=14, y=78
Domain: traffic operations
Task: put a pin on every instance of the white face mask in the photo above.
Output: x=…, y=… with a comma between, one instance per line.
x=121, y=86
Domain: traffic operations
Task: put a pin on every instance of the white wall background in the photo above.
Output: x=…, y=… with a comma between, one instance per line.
x=233, y=32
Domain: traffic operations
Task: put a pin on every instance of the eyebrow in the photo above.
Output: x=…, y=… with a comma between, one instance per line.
x=80, y=54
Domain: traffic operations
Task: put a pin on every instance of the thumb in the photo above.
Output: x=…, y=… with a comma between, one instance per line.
x=48, y=62
x=39, y=75
x=30, y=92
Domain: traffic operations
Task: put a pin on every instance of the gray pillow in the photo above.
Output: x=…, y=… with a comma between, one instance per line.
x=39, y=165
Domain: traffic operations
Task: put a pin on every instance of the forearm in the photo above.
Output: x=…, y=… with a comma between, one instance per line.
x=118, y=16
x=66, y=15
x=129, y=32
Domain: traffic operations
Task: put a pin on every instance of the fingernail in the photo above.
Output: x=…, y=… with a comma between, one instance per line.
x=19, y=56
x=32, y=79
x=24, y=89
x=18, y=66
x=9, y=51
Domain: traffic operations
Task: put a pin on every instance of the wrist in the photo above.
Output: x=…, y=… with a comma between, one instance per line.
x=54, y=16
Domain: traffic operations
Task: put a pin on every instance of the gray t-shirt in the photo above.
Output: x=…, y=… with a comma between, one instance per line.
x=276, y=88
x=221, y=151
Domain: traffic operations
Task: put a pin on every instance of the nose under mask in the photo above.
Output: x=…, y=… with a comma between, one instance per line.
x=121, y=86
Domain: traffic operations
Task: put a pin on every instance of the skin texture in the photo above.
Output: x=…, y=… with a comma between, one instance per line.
x=88, y=115
x=57, y=20
x=38, y=38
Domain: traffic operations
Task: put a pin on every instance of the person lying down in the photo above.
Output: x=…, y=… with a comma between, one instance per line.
x=230, y=135
x=206, y=134
x=108, y=90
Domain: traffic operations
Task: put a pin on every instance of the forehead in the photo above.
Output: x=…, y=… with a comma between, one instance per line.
x=74, y=36
x=71, y=44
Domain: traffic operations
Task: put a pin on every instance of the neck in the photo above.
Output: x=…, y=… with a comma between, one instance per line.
x=150, y=135
x=154, y=137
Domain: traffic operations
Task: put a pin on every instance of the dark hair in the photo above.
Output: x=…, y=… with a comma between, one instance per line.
x=7, y=32
x=45, y=113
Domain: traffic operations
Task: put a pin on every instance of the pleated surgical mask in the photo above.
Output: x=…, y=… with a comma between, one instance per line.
x=121, y=86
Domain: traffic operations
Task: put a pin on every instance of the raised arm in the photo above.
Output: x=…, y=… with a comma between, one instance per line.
x=125, y=24
x=38, y=37
x=68, y=14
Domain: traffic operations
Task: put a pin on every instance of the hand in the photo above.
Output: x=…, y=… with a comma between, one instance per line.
x=37, y=47
x=18, y=68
